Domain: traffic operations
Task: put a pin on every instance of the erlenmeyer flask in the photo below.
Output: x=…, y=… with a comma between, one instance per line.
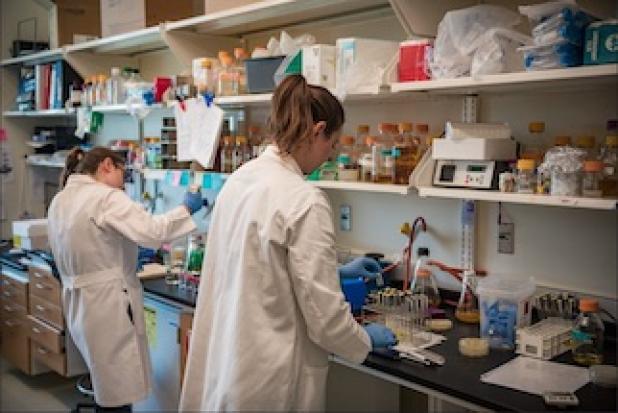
x=468, y=306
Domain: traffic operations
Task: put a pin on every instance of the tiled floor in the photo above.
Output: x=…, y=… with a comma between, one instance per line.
x=45, y=392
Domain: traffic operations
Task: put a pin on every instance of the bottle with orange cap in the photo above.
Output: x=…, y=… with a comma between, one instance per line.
x=365, y=159
x=562, y=140
x=591, y=181
x=227, y=154
x=525, y=178
x=533, y=146
x=586, y=143
x=405, y=152
x=240, y=55
x=227, y=84
x=588, y=334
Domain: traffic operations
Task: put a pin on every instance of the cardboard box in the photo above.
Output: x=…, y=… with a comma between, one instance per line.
x=213, y=6
x=121, y=16
x=70, y=20
x=319, y=65
x=30, y=234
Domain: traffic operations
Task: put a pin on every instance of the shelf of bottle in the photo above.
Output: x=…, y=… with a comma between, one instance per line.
x=363, y=187
x=516, y=198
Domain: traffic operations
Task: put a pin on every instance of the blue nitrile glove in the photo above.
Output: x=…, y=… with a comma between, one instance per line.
x=360, y=267
x=193, y=201
x=381, y=336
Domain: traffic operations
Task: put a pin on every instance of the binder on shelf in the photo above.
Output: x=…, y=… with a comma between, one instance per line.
x=52, y=82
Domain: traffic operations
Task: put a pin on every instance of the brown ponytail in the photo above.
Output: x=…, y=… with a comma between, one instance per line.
x=296, y=106
x=82, y=162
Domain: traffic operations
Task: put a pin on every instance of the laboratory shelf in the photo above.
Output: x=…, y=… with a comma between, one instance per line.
x=244, y=100
x=161, y=174
x=363, y=187
x=138, y=41
x=529, y=199
x=572, y=78
x=50, y=113
x=45, y=162
x=123, y=108
x=34, y=58
x=272, y=15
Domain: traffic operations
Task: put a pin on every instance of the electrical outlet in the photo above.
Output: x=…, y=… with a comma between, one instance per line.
x=345, y=218
x=506, y=238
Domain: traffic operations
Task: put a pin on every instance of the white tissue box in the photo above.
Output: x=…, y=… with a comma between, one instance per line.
x=30, y=234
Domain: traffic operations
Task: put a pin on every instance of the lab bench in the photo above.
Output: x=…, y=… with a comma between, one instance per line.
x=458, y=381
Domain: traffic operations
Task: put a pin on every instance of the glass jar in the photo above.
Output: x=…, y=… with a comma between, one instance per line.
x=591, y=180
x=609, y=157
x=255, y=140
x=588, y=334
x=525, y=179
x=241, y=55
x=565, y=183
x=405, y=158
x=328, y=171
x=347, y=146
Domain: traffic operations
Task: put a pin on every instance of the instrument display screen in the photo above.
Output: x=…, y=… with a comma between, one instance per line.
x=476, y=168
x=447, y=173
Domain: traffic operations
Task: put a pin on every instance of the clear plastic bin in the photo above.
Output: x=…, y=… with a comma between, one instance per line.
x=505, y=304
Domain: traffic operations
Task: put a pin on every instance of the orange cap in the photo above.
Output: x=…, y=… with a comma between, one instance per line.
x=536, y=127
x=423, y=273
x=240, y=53
x=611, y=140
x=228, y=140
x=405, y=127
x=370, y=140
x=254, y=129
x=347, y=140
x=585, y=142
x=526, y=164
x=362, y=129
x=593, y=166
x=206, y=64
x=422, y=128
x=588, y=305
x=241, y=140
x=562, y=140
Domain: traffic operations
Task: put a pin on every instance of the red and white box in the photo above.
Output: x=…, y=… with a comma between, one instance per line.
x=414, y=60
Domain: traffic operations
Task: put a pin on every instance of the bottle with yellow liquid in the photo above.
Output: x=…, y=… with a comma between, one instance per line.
x=587, y=335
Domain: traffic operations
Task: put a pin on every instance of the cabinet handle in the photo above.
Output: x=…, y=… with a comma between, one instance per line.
x=7, y=294
x=36, y=330
x=10, y=323
x=40, y=307
x=41, y=286
x=42, y=350
x=8, y=309
x=38, y=275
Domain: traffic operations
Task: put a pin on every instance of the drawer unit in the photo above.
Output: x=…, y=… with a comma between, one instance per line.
x=15, y=291
x=55, y=361
x=42, y=275
x=43, y=310
x=44, y=334
x=49, y=291
x=10, y=310
x=15, y=343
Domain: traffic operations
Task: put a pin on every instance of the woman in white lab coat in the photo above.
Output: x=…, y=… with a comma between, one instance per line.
x=94, y=233
x=270, y=307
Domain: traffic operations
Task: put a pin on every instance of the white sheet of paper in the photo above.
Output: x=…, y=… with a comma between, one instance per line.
x=183, y=132
x=205, y=129
x=536, y=376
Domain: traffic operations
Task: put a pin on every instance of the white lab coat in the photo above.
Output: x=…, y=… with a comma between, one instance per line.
x=270, y=308
x=94, y=231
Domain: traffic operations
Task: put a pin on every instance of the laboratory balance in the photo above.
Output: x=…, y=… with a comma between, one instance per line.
x=472, y=155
